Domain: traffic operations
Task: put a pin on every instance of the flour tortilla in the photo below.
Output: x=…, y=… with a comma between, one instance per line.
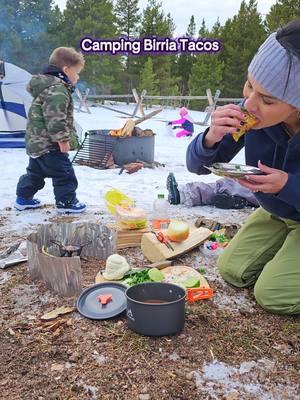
x=178, y=274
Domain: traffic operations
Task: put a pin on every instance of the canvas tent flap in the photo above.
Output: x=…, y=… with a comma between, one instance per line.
x=14, y=105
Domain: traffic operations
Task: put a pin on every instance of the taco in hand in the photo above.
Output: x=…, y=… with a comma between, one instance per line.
x=249, y=121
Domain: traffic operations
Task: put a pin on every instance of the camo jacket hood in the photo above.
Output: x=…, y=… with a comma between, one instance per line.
x=50, y=118
x=39, y=83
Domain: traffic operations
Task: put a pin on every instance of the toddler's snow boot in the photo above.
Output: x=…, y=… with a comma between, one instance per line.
x=70, y=208
x=22, y=204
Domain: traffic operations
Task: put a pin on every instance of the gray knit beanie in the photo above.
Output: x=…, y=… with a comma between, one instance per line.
x=270, y=68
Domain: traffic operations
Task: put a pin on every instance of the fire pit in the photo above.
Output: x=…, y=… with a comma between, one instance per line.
x=54, y=253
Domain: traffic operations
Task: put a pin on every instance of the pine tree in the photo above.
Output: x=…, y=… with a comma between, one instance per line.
x=128, y=18
x=26, y=32
x=207, y=70
x=206, y=73
x=282, y=12
x=203, y=31
x=216, y=30
x=39, y=22
x=156, y=23
x=185, y=61
x=191, y=29
x=10, y=39
x=95, y=19
x=148, y=80
x=241, y=36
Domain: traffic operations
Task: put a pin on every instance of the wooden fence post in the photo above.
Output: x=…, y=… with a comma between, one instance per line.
x=83, y=100
x=139, y=101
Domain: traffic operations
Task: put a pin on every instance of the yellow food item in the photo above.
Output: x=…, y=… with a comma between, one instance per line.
x=178, y=231
x=249, y=121
x=131, y=217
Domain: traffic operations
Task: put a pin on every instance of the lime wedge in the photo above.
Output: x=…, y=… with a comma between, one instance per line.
x=192, y=282
x=155, y=275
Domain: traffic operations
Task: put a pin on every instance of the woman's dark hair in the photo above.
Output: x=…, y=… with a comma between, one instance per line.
x=289, y=38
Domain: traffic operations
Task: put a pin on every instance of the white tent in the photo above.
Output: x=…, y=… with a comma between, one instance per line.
x=14, y=104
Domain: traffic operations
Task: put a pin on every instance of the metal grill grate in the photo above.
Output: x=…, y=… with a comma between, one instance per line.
x=95, y=150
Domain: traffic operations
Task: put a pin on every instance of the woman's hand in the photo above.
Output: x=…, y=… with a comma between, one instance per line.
x=225, y=119
x=64, y=146
x=272, y=182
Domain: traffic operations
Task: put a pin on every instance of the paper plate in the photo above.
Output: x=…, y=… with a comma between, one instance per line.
x=233, y=170
x=89, y=306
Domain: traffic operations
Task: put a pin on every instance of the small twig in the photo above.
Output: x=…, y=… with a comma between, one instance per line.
x=257, y=348
x=145, y=360
x=112, y=332
x=121, y=338
x=127, y=376
x=212, y=354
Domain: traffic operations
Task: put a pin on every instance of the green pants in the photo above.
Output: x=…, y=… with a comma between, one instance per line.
x=265, y=253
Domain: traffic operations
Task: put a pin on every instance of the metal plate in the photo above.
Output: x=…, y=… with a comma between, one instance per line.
x=233, y=170
x=89, y=306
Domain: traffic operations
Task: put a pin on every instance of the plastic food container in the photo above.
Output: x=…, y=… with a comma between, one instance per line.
x=114, y=197
x=123, y=208
x=131, y=218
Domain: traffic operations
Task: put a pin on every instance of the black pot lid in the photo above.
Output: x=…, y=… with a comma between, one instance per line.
x=89, y=305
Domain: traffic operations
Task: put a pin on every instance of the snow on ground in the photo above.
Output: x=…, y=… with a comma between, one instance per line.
x=142, y=185
x=220, y=380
